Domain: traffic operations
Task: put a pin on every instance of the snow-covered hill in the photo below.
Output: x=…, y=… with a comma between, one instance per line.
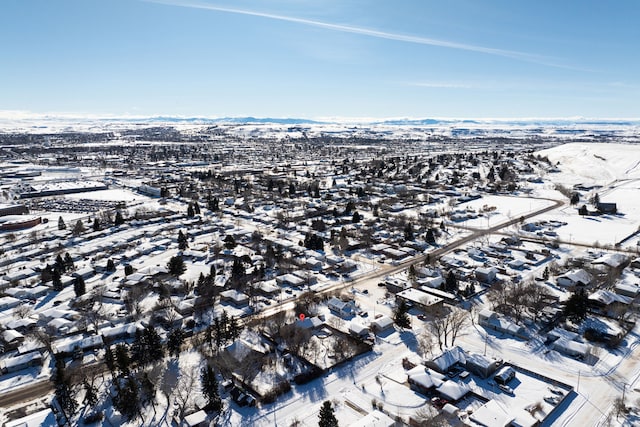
x=594, y=163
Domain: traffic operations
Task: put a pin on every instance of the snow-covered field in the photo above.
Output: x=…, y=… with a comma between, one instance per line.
x=502, y=208
x=613, y=172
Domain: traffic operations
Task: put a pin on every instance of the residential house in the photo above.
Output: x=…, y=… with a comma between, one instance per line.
x=485, y=275
x=235, y=297
x=443, y=363
x=492, y=320
x=23, y=361
x=578, y=277
x=481, y=365
x=423, y=380
x=343, y=309
x=427, y=302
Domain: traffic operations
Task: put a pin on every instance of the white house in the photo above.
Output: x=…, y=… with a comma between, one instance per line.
x=341, y=308
x=574, y=278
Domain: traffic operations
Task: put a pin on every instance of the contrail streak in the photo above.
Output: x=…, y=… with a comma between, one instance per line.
x=367, y=32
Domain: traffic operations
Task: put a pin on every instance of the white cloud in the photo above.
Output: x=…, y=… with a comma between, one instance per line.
x=445, y=85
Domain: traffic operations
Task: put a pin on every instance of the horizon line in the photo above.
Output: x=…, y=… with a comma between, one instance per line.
x=23, y=115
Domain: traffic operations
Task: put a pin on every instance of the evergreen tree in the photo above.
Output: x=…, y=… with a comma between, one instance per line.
x=408, y=232
x=147, y=346
x=109, y=359
x=401, y=316
x=577, y=306
x=214, y=205
x=229, y=242
x=119, y=220
x=233, y=328
x=356, y=217
x=430, y=238
x=59, y=264
x=79, y=287
x=128, y=269
x=68, y=262
x=238, y=270
x=56, y=280
x=327, y=415
x=78, y=229
x=123, y=360
x=451, y=283
x=182, y=241
x=190, y=211
x=61, y=224
x=176, y=265
x=111, y=266
x=127, y=400
x=96, y=224
x=63, y=390
x=349, y=208
x=174, y=342
x=196, y=208
x=210, y=389
x=46, y=275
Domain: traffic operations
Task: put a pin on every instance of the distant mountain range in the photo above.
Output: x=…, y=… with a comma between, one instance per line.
x=239, y=120
x=393, y=122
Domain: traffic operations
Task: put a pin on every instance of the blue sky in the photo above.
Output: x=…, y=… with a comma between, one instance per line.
x=318, y=59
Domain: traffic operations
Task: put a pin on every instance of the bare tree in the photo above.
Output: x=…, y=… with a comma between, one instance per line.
x=425, y=343
x=22, y=311
x=427, y=416
x=44, y=338
x=187, y=383
x=249, y=367
x=295, y=338
x=438, y=328
x=448, y=326
x=456, y=321
x=341, y=349
x=619, y=407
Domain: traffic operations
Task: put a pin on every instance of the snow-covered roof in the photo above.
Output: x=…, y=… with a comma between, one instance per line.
x=10, y=335
x=374, y=419
x=382, y=322
x=607, y=297
x=452, y=390
x=419, y=297
x=423, y=377
x=564, y=345
x=448, y=358
x=357, y=328
x=491, y=414
x=613, y=260
x=67, y=345
x=575, y=276
x=196, y=418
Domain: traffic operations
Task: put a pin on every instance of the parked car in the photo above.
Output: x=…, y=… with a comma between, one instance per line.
x=554, y=400
x=505, y=388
